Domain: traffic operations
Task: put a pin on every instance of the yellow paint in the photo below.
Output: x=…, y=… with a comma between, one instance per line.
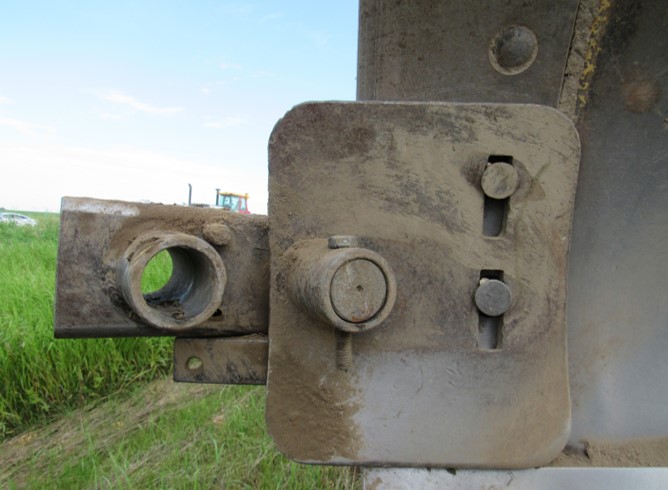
x=596, y=32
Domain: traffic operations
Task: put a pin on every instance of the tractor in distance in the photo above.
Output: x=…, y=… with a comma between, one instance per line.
x=237, y=203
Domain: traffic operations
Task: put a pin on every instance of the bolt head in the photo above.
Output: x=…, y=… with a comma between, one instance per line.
x=217, y=234
x=500, y=180
x=493, y=297
x=358, y=291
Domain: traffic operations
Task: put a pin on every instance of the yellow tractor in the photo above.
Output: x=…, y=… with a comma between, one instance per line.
x=237, y=203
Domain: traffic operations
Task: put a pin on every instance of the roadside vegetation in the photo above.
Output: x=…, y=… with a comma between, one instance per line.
x=103, y=413
x=44, y=376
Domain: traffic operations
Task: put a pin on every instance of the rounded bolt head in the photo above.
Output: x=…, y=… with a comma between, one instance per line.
x=513, y=50
x=500, y=180
x=493, y=297
x=217, y=234
x=352, y=289
x=358, y=291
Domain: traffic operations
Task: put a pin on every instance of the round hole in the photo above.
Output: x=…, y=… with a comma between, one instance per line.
x=513, y=50
x=157, y=273
x=194, y=363
x=187, y=295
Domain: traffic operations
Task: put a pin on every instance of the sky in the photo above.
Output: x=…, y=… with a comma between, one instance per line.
x=134, y=100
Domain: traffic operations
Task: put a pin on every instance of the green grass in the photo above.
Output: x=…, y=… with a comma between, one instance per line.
x=156, y=273
x=109, y=427
x=164, y=436
x=45, y=376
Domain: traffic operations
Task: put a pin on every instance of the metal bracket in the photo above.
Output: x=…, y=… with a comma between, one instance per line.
x=474, y=347
x=228, y=360
x=219, y=284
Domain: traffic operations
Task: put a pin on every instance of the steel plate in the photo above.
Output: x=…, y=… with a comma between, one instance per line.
x=405, y=179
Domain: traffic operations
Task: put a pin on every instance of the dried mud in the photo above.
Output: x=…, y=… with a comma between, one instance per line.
x=646, y=452
x=430, y=230
x=94, y=236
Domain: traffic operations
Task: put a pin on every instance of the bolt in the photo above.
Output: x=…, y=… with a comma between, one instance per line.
x=344, y=350
x=500, y=180
x=358, y=290
x=493, y=297
x=350, y=288
x=342, y=241
x=217, y=234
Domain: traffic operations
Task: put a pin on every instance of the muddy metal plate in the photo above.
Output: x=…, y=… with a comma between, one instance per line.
x=220, y=269
x=435, y=382
x=224, y=360
x=473, y=50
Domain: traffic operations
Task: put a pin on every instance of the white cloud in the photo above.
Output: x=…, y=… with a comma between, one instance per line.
x=125, y=173
x=110, y=115
x=272, y=16
x=259, y=73
x=227, y=122
x=230, y=66
x=25, y=127
x=205, y=90
x=239, y=8
x=5, y=100
x=124, y=99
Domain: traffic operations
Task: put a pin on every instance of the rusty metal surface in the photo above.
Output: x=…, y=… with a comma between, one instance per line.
x=232, y=360
x=96, y=236
x=617, y=308
x=428, y=50
x=406, y=180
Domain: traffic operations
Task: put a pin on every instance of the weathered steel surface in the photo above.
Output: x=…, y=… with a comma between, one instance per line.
x=406, y=180
x=534, y=479
x=463, y=50
x=95, y=236
x=617, y=303
x=227, y=360
x=615, y=82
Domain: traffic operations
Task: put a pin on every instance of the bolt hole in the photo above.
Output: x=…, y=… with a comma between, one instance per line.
x=217, y=313
x=194, y=363
x=184, y=294
x=193, y=279
x=157, y=273
x=490, y=328
x=500, y=158
x=359, y=288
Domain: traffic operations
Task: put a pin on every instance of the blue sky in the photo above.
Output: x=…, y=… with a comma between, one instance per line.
x=133, y=100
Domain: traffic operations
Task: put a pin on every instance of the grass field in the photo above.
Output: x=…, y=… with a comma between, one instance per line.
x=46, y=376
x=82, y=413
